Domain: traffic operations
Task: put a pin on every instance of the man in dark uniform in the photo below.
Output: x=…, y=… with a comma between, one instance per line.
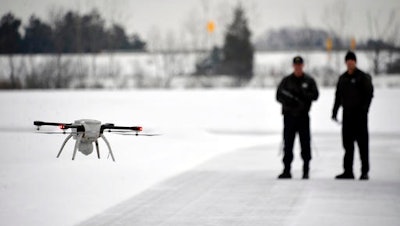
x=354, y=93
x=296, y=92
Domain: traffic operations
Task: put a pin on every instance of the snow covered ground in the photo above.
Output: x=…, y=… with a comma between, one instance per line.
x=197, y=125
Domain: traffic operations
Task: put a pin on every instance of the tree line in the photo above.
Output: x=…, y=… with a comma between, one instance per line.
x=70, y=32
x=305, y=38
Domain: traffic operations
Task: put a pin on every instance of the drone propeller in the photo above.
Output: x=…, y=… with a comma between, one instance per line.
x=130, y=132
x=148, y=135
x=121, y=131
x=54, y=132
x=139, y=134
x=15, y=129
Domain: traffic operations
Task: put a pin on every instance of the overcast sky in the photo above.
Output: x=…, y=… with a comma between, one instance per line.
x=141, y=16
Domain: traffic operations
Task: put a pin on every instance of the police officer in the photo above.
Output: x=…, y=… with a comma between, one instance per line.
x=296, y=92
x=354, y=93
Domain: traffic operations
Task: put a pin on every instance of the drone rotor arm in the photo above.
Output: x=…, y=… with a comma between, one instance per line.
x=111, y=128
x=63, y=126
x=41, y=123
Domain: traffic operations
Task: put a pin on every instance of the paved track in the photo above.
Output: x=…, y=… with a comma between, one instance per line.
x=239, y=188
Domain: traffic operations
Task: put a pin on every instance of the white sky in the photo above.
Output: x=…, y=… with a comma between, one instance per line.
x=143, y=16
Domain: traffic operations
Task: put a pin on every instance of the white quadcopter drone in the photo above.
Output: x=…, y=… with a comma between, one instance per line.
x=88, y=131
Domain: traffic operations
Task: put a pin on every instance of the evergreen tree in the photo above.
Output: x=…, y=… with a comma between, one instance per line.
x=38, y=37
x=118, y=38
x=238, y=50
x=136, y=43
x=94, y=37
x=10, y=38
x=10, y=43
x=67, y=34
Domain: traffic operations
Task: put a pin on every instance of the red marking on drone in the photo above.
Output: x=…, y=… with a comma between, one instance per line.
x=61, y=127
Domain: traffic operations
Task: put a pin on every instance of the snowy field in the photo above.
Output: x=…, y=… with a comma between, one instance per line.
x=38, y=189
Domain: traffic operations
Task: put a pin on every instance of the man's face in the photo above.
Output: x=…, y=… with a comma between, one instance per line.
x=351, y=65
x=298, y=69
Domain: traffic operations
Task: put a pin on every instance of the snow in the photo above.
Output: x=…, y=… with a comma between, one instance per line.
x=36, y=188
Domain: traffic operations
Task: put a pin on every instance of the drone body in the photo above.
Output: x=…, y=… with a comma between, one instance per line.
x=86, y=132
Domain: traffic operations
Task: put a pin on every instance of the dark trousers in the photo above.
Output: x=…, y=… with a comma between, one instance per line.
x=293, y=125
x=355, y=129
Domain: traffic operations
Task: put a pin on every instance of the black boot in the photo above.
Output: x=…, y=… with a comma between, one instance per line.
x=345, y=175
x=286, y=173
x=306, y=170
x=364, y=176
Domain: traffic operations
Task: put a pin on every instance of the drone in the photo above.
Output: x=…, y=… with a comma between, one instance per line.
x=88, y=131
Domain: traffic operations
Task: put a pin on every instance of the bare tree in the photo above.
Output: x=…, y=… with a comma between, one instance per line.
x=62, y=70
x=56, y=20
x=171, y=59
x=337, y=16
x=138, y=74
x=154, y=41
x=385, y=36
x=116, y=16
x=193, y=30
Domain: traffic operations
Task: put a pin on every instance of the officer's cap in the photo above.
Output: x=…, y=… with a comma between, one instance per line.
x=298, y=60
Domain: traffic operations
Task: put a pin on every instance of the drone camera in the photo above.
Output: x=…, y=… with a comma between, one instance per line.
x=85, y=147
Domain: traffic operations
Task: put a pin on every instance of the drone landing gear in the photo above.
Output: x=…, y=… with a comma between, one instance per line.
x=63, y=145
x=97, y=149
x=109, y=147
x=78, y=141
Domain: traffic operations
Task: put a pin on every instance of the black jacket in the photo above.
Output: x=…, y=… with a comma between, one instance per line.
x=296, y=94
x=354, y=93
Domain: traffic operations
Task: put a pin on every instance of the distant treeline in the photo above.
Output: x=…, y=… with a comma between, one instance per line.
x=305, y=38
x=69, y=32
